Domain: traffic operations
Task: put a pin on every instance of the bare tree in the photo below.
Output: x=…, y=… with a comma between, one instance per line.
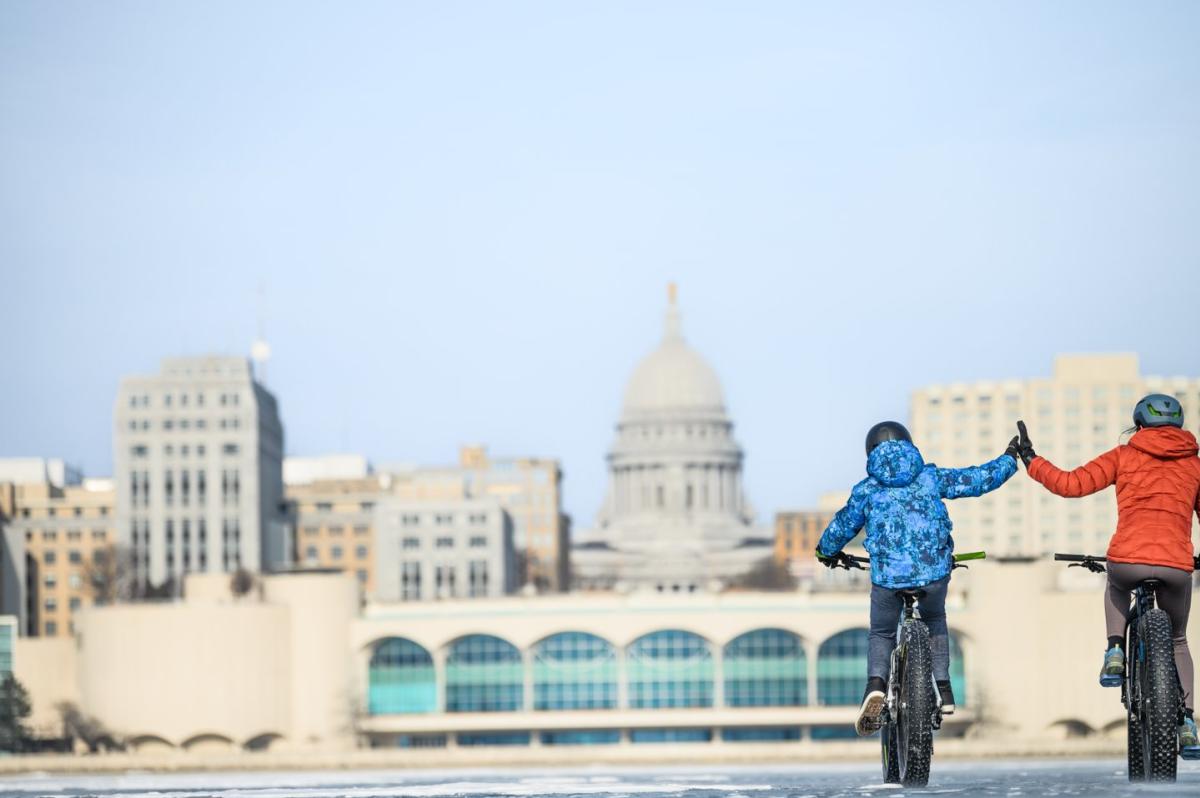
x=242, y=582
x=109, y=575
x=766, y=574
x=92, y=732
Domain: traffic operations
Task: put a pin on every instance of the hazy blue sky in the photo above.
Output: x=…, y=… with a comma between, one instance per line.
x=465, y=214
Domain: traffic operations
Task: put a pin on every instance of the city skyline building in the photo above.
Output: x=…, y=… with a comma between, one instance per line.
x=53, y=537
x=197, y=459
x=675, y=518
x=529, y=489
x=335, y=520
x=333, y=525
x=1081, y=410
x=430, y=550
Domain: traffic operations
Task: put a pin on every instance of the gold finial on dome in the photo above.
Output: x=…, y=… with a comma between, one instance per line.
x=672, y=292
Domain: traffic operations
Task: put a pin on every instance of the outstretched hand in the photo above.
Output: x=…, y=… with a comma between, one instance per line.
x=1014, y=449
x=1024, y=445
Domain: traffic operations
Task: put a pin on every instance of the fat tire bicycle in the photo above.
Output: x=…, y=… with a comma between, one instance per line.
x=1150, y=688
x=913, y=706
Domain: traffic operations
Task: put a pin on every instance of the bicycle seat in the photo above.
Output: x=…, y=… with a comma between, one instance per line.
x=1151, y=583
x=909, y=592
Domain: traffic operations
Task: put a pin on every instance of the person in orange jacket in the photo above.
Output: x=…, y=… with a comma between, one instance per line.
x=1157, y=475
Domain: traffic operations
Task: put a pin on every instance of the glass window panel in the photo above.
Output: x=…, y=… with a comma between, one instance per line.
x=842, y=668
x=766, y=668
x=484, y=674
x=670, y=668
x=401, y=678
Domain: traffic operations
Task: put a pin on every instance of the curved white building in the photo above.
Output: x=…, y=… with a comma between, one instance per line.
x=675, y=518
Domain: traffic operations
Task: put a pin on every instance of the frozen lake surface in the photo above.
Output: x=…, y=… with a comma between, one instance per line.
x=1012, y=779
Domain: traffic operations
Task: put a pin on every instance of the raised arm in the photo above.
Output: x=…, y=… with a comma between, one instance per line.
x=845, y=524
x=1083, y=481
x=955, y=483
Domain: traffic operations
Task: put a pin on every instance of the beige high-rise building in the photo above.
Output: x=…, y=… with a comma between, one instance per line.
x=1077, y=413
x=796, y=536
x=53, y=536
x=334, y=525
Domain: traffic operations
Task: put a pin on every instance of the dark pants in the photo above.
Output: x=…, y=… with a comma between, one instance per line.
x=1174, y=596
x=886, y=607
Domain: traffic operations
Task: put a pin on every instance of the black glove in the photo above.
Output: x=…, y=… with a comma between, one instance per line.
x=1024, y=445
x=828, y=562
x=1014, y=449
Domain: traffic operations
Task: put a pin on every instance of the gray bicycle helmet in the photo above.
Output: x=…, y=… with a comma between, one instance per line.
x=886, y=431
x=1158, y=410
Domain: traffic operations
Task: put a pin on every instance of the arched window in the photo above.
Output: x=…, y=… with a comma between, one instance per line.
x=401, y=678
x=670, y=668
x=484, y=674
x=766, y=668
x=842, y=668
x=958, y=672
x=574, y=670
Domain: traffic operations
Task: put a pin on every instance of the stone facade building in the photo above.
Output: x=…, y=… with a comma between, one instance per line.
x=197, y=459
x=675, y=518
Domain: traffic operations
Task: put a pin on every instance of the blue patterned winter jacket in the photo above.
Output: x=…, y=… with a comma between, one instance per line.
x=900, y=503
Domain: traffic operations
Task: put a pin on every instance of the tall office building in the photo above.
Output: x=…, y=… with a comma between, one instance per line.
x=53, y=536
x=1078, y=412
x=197, y=458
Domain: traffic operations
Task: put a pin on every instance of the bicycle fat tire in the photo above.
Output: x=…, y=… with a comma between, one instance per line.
x=1160, y=710
x=917, y=704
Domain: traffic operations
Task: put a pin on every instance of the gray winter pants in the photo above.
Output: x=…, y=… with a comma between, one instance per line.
x=886, y=607
x=1174, y=596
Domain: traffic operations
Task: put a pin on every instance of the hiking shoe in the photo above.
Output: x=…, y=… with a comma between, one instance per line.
x=1189, y=741
x=871, y=711
x=946, y=694
x=1113, y=672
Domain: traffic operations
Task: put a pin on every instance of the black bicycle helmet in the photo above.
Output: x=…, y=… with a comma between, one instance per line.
x=886, y=431
x=1158, y=410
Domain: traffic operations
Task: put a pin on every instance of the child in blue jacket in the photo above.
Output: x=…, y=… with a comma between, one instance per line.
x=908, y=538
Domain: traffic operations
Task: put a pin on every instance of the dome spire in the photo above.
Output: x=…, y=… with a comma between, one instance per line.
x=672, y=330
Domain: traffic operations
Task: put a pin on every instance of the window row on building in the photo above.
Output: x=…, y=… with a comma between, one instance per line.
x=669, y=668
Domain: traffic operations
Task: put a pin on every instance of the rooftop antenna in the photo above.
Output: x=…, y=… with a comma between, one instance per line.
x=260, y=351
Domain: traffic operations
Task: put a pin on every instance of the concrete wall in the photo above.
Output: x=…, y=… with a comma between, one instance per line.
x=320, y=609
x=182, y=671
x=47, y=666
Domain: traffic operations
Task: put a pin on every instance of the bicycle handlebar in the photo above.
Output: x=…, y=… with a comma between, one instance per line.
x=1079, y=558
x=849, y=561
x=1088, y=560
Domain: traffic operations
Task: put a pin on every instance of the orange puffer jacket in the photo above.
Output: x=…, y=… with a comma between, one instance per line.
x=1158, y=488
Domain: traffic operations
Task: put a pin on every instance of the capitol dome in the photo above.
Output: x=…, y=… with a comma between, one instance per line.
x=673, y=377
